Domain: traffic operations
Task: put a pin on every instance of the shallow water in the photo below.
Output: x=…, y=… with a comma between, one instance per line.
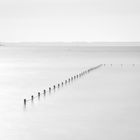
x=104, y=104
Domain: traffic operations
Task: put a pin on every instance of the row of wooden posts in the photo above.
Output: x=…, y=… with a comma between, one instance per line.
x=61, y=84
x=119, y=64
x=66, y=81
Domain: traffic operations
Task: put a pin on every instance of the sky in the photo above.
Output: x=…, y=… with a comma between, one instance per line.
x=69, y=20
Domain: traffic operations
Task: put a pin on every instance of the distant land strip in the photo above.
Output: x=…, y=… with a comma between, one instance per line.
x=79, y=46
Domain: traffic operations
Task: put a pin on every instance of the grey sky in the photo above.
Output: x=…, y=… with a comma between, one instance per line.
x=69, y=20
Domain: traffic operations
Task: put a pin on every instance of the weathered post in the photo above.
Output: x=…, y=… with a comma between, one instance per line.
x=44, y=92
x=24, y=102
x=62, y=84
x=38, y=95
x=58, y=85
x=65, y=81
x=49, y=89
x=32, y=98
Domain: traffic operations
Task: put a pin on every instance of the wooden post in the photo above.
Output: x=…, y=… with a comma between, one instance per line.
x=49, y=89
x=58, y=85
x=32, y=98
x=65, y=81
x=38, y=95
x=44, y=92
x=62, y=83
x=25, y=102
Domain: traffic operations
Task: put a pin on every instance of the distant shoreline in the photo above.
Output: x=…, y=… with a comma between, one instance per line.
x=73, y=43
x=79, y=46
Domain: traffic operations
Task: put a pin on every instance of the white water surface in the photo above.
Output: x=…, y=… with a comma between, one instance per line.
x=102, y=105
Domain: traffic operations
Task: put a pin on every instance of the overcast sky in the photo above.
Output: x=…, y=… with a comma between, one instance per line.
x=69, y=20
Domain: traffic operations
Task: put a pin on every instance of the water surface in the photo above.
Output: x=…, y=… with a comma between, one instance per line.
x=101, y=105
